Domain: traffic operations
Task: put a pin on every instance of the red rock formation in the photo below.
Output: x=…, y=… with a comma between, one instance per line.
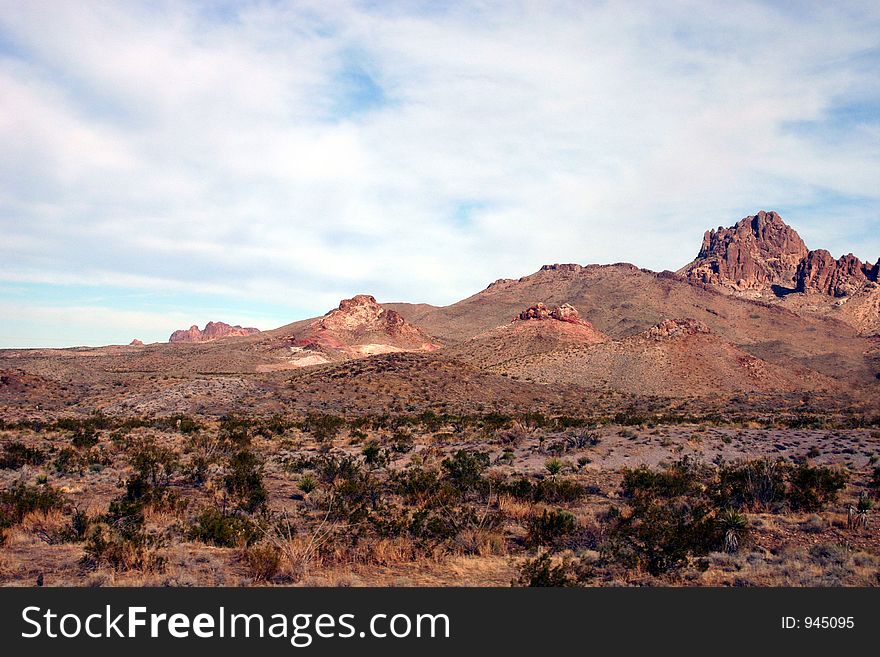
x=212, y=331
x=670, y=328
x=820, y=272
x=360, y=322
x=758, y=252
x=564, y=313
x=135, y=343
x=538, y=311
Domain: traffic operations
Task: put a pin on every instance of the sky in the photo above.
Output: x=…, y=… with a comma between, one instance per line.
x=170, y=163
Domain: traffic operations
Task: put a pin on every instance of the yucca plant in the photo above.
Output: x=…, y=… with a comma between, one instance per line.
x=554, y=467
x=732, y=527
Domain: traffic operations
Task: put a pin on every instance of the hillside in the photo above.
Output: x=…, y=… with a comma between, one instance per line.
x=676, y=358
x=621, y=300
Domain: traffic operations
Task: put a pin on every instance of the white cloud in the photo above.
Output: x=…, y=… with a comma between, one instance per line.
x=164, y=149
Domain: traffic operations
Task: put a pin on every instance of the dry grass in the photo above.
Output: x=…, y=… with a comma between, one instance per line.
x=301, y=542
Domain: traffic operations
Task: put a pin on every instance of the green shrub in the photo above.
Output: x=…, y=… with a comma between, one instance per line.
x=214, y=527
x=402, y=442
x=70, y=460
x=812, y=488
x=550, y=528
x=235, y=430
x=330, y=468
x=20, y=499
x=417, y=485
x=307, y=484
x=127, y=547
x=758, y=485
x=16, y=455
x=155, y=465
x=274, y=426
x=153, y=468
x=543, y=572
x=682, y=477
x=550, y=491
x=732, y=528
x=558, y=491
x=322, y=426
x=465, y=470
x=554, y=466
x=374, y=457
x=84, y=439
x=660, y=535
x=244, y=481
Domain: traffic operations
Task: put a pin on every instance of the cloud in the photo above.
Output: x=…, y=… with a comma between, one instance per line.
x=284, y=155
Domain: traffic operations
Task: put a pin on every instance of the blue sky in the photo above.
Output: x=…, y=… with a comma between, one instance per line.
x=171, y=163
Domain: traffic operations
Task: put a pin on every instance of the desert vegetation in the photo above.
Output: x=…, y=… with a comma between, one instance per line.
x=436, y=498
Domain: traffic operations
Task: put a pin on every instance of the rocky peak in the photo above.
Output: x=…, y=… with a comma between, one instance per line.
x=670, y=328
x=820, y=272
x=351, y=314
x=136, y=343
x=363, y=313
x=758, y=252
x=361, y=322
x=500, y=282
x=212, y=331
x=358, y=300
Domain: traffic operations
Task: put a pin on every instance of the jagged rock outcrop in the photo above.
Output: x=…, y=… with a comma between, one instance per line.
x=564, y=313
x=670, y=328
x=820, y=272
x=758, y=252
x=562, y=267
x=212, y=331
x=136, y=343
x=538, y=311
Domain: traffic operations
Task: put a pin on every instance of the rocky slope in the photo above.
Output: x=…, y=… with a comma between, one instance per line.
x=212, y=331
x=675, y=358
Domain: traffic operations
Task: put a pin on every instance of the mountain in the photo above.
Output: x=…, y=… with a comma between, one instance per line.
x=764, y=258
x=621, y=300
x=757, y=253
x=756, y=312
x=212, y=331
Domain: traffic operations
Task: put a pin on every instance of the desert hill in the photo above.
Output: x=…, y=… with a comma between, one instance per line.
x=678, y=358
x=536, y=330
x=357, y=328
